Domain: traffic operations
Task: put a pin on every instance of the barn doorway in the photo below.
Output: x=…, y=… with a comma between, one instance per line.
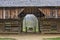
x=30, y=23
x=30, y=19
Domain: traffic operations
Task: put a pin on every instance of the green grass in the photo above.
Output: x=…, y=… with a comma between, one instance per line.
x=51, y=39
x=6, y=39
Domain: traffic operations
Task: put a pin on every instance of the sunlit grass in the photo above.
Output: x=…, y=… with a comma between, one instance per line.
x=51, y=39
x=6, y=39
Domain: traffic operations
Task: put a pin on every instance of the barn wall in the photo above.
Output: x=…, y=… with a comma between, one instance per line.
x=45, y=11
x=59, y=12
x=14, y=12
x=6, y=13
x=50, y=12
x=1, y=13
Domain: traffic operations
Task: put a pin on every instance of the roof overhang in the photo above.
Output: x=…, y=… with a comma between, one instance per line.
x=29, y=3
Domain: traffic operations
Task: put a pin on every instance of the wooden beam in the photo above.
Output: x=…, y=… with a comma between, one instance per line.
x=41, y=10
x=56, y=13
x=21, y=10
x=3, y=13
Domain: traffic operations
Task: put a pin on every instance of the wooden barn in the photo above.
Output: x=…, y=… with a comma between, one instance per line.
x=29, y=16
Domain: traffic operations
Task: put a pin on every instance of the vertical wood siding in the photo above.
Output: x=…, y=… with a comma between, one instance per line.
x=1, y=13
x=14, y=12
x=50, y=11
x=6, y=13
x=59, y=12
x=45, y=11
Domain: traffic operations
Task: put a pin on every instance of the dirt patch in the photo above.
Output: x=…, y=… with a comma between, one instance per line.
x=29, y=36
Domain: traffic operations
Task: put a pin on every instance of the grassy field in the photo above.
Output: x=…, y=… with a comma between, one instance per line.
x=52, y=39
x=6, y=39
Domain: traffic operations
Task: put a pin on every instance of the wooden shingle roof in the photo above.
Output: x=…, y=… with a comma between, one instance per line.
x=22, y=3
